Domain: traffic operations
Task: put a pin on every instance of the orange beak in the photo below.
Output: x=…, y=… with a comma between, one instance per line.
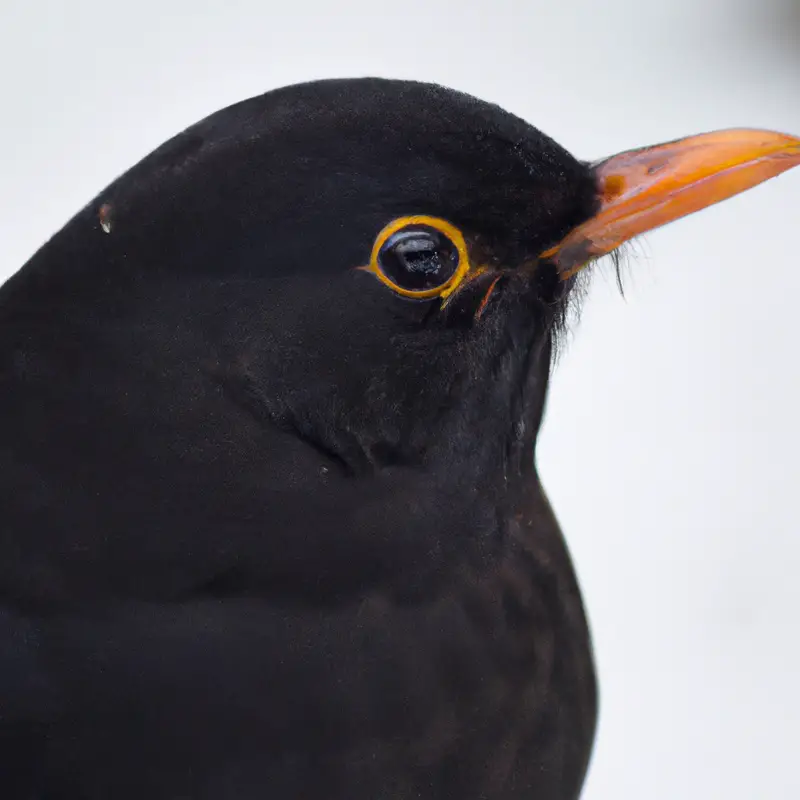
x=640, y=190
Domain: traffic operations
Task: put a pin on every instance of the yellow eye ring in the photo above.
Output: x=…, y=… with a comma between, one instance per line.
x=421, y=223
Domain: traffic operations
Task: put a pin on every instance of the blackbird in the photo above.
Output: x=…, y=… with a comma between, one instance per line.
x=271, y=520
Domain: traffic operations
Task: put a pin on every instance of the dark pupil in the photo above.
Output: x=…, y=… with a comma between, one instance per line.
x=418, y=258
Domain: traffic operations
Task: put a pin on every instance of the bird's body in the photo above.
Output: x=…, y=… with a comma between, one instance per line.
x=481, y=687
x=270, y=526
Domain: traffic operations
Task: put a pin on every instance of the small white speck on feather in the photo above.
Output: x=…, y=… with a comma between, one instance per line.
x=104, y=215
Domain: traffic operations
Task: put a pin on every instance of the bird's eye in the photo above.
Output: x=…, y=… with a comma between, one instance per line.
x=420, y=257
x=417, y=258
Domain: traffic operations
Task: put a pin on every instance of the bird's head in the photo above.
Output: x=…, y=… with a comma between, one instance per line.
x=376, y=267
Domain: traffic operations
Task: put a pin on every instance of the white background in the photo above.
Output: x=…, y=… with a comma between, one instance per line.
x=670, y=446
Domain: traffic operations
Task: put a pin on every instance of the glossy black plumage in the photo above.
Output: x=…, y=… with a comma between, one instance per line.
x=268, y=529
